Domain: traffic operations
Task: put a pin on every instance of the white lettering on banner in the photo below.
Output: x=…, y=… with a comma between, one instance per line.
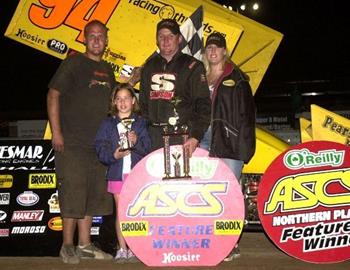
x=28, y=229
x=187, y=257
x=301, y=218
x=32, y=168
x=31, y=215
x=30, y=152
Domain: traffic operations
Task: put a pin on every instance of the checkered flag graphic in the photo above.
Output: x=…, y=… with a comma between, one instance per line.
x=192, y=33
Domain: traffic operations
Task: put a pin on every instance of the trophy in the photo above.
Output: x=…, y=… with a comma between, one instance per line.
x=124, y=142
x=173, y=129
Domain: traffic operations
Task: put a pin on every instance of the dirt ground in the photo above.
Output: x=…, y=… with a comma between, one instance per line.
x=257, y=252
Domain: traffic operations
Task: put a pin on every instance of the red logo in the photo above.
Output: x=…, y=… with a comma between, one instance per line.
x=4, y=232
x=29, y=215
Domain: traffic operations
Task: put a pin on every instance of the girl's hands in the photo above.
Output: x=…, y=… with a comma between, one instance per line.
x=120, y=154
x=132, y=137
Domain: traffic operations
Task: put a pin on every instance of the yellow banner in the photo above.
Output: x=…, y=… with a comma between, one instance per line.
x=268, y=147
x=134, y=228
x=228, y=227
x=329, y=126
x=55, y=26
x=305, y=130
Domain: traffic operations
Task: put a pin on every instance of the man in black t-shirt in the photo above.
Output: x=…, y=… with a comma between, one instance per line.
x=77, y=102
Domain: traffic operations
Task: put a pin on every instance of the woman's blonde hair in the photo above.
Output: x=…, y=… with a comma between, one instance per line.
x=113, y=111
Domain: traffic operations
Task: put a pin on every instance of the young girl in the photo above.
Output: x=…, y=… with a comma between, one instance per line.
x=111, y=145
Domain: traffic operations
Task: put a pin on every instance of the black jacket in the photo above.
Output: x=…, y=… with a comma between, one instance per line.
x=233, y=116
x=183, y=77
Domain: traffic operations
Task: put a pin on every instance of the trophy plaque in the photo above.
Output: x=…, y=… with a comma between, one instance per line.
x=173, y=129
x=124, y=142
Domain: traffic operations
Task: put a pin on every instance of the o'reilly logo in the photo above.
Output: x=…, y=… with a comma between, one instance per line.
x=303, y=158
x=42, y=180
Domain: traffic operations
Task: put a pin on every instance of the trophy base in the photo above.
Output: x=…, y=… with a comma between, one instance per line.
x=127, y=149
x=180, y=178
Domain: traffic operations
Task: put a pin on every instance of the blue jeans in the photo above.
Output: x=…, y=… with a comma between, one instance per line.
x=235, y=165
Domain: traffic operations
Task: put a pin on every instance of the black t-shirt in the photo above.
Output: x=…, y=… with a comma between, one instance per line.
x=85, y=86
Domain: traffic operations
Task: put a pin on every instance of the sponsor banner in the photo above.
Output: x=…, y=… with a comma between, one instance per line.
x=3, y=216
x=95, y=230
x=4, y=232
x=27, y=215
x=55, y=224
x=27, y=198
x=305, y=130
x=6, y=180
x=56, y=27
x=26, y=155
x=53, y=203
x=97, y=220
x=304, y=202
x=42, y=180
x=28, y=229
x=327, y=125
x=181, y=221
x=5, y=198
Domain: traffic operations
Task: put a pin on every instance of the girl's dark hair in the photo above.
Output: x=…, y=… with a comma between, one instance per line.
x=112, y=107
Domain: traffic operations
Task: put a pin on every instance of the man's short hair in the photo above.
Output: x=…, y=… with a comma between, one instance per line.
x=170, y=24
x=95, y=22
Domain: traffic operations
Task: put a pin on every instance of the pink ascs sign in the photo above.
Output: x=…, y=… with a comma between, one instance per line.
x=193, y=222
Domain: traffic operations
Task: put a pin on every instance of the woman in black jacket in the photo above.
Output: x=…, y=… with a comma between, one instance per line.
x=231, y=135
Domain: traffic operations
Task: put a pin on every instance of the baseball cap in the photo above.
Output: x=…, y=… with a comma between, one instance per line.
x=217, y=39
x=170, y=24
